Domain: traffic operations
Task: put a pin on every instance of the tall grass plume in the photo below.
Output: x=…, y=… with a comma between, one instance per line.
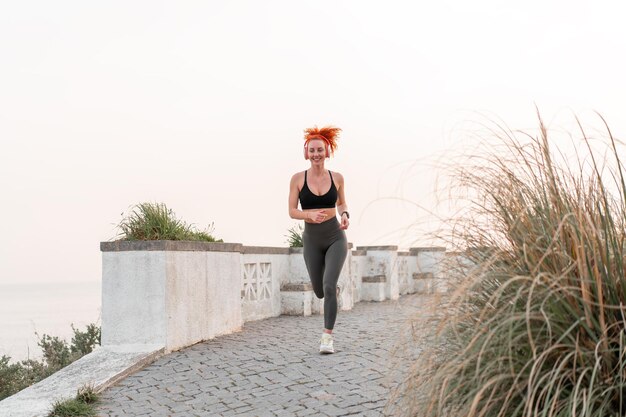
x=536, y=323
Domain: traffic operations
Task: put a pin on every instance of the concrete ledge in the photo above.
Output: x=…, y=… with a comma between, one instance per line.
x=375, y=279
x=423, y=282
x=359, y=252
x=303, y=286
x=169, y=245
x=373, y=290
x=264, y=250
x=404, y=253
x=389, y=247
x=296, y=303
x=296, y=250
x=100, y=369
x=414, y=251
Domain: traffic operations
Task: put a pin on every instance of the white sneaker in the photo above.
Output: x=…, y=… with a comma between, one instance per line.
x=326, y=343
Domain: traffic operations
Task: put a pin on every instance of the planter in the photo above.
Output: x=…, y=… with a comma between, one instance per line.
x=297, y=296
x=381, y=271
x=168, y=293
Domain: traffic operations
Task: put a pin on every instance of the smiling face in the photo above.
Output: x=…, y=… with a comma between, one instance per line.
x=316, y=151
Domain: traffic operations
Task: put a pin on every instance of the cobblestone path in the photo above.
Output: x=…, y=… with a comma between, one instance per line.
x=273, y=368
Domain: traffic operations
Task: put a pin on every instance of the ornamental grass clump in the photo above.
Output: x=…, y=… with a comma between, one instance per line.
x=294, y=236
x=536, y=326
x=154, y=221
x=83, y=405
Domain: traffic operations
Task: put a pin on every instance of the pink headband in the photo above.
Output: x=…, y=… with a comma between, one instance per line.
x=310, y=138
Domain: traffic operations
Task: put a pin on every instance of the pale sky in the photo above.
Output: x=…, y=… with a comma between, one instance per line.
x=202, y=106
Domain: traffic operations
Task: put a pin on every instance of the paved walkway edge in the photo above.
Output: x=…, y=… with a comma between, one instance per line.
x=100, y=369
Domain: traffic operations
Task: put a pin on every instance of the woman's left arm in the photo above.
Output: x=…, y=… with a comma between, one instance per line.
x=342, y=206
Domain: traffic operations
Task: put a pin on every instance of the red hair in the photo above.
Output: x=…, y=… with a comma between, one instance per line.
x=327, y=133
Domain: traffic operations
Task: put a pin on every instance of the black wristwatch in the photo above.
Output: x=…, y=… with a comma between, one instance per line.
x=346, y=213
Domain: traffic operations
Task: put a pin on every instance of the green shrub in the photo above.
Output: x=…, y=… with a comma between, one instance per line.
x=85, y=342
x=72, y=408
x=294, y=236
x=11, y=377
x=87, y=395
x=537, y=326
x=57, y=354
x=154, y=221
x=80, y=406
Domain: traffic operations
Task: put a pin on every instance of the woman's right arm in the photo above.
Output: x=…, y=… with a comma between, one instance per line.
x=294, y=213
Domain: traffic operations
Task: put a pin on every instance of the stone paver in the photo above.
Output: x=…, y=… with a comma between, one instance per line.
x=273, y=368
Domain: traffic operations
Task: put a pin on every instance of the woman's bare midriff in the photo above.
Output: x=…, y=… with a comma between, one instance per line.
x=330, y=213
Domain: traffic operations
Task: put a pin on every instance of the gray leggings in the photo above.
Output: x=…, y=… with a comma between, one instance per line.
x=325, y=251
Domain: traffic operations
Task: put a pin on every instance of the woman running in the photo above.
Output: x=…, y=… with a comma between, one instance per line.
x=321, y=195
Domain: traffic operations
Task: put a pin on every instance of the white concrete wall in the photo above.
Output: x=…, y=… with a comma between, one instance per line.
x=161, y=296
x=170, y=298
x=405, y=284
x=297, y=272
x=202, y=296
x=297, y=303
x=383, y=260
x=174, y=294
x=432, y=259
x=373, y=291
x=134, y=298
x=458, y=268
x=302, y=301
x=346, y=282
x=357, y=269
x=187, y=304
x=423, y=282
x=261, y=276
x=411, y=269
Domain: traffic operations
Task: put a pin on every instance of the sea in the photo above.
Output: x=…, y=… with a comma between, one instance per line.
x=45, y=308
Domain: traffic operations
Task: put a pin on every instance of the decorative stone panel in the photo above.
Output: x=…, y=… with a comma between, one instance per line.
x=257, y=280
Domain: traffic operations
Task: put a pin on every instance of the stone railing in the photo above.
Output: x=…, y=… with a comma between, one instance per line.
x=174, y=294
x=169, y=294
x=262, y=272
x=160, y=296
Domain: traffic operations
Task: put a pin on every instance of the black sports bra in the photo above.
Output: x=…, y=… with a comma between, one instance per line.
x=308, y=200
